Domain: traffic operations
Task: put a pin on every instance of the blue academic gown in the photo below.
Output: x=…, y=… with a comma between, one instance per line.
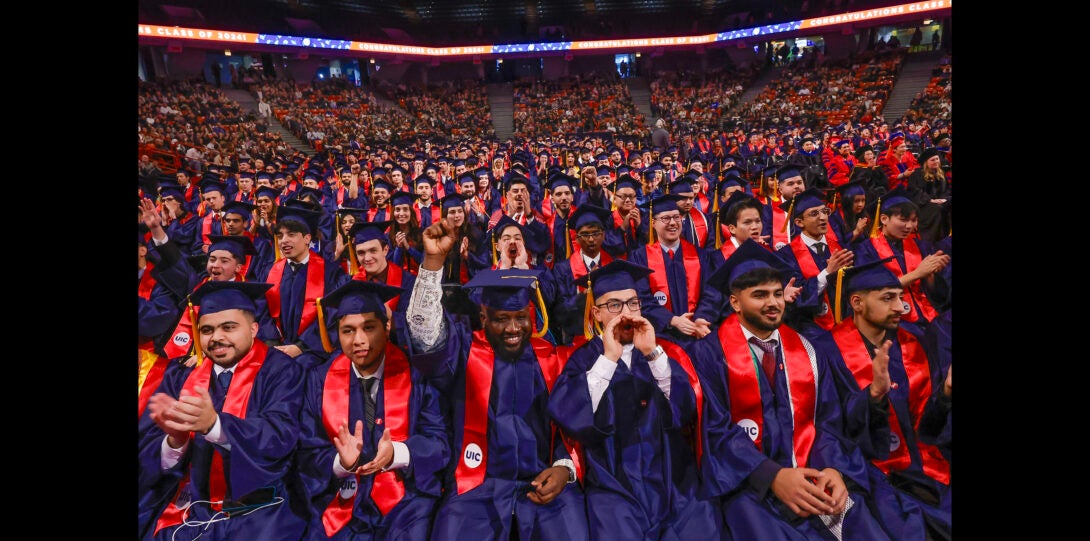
x=560, y=244
x=587, y=197
x=566, y=303
x=903, y=512
x=810, y=303
x=520, y=446
x=708, y=305
x=688, y=229
x=292, y=294
x=185, y=233
x=429, y=453
x=262, y=445
x=174, y=279
x=641, y=475
x=742, y=475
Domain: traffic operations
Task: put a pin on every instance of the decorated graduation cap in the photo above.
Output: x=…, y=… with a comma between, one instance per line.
x=617, y=275
x=589, y=214
x=291, y=213
x=868, y=276
x=807, y=200
x=239, y=246
x=241, y=208
x=509, y=289
x=211, y=185
x=750, y=256
x=353, y=297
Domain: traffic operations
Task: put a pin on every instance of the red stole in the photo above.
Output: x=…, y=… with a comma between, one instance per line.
x=183, y=336
x=339, y=195
x=675, y=352
x=435, y=212
x=629, y=228
x=700, y=222
x=371, y=212
x=856, y=358
x=810, y=269
x=743, y=385
x=579, y=267
x=393, y=278
x=728, y=247
x=656, y=260
x=779, y=232
x=388, y=488
x=206, y=226
x=238, y=396
x=912, y=260
x=154, y=377
x=478, y=388
x=147, y=282
x=314, y=289
x=550, y=221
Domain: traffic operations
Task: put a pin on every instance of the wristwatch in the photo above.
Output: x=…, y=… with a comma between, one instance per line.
x=656, y=352
x=570, y=465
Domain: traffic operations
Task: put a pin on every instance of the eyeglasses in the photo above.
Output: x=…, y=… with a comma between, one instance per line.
x=587, y=235
x=614, y=306
x=626, y=197
x=818, y=212
x=668, y=219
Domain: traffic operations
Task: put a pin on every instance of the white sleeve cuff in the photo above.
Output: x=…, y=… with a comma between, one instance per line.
x=822, y=280
x=603, y=368
x=401, y=456
x=215, y=435
x=170, y=457
x=567, y=463
x=660, y=367
x=340, y=472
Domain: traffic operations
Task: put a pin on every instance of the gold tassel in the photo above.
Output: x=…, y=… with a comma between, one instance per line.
x=589, y=325
x=874, y=226
x=837, y=316
x=276, y=250
x=495, y=259
x=353, y=261
x=196, y=331
x=790, y=209
x=567, y=240
x=544, y=313
x=321, y=327
x=836, y=200
x=650, y=227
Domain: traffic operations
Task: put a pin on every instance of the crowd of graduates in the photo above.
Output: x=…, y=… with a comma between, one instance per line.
x=743, y=335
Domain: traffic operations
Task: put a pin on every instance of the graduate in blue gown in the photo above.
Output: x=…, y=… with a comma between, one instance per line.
x=565, y=298
x=216, y=440
x=372, y=466
x=800, y=478
x=511, y=474
x=635, y=409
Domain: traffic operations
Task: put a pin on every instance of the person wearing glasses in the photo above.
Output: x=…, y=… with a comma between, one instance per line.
x=567, y=305
x=674, y=299
x=630, y=224
x=632, y=400
x=817, y=255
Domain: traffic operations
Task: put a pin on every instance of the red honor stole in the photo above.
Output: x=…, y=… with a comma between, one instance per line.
x=675, y=352
x=206, y=226
x=743, y=385
x=809, y=268
x=478, y=388
x=912, y=260
x=315, y=285
x=629, y=229
x=855, y=355
x=579, y=267
x=388, y=488
x=182, y=337
x=154, y=375
x=147, y=282
x=238, y=396
x=700, y=222
x=656, y=260
x=779, y=233
x=550, y=221
x=393, y=278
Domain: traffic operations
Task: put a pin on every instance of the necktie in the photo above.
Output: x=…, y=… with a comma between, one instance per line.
x=820, y=247
x=670, y=253
x=593, y=265
x=294, y=266
x=368, y=403
x=768, y=360
x=223, y=382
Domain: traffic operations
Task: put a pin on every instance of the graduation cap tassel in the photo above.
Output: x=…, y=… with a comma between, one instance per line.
x=276, y=250
x=495, y=259
x=353, y=262
x=567, y=240
x=787, y=222
x=196, y=337
x=321, y=327
x=588, y=327
x=837, y=316
x=544, y=313
x=650, y=228
x=874, y=226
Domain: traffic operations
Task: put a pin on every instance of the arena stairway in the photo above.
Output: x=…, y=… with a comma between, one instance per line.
x=640, y=90
x=501, y=100
x=248, y=102
x=914, y=78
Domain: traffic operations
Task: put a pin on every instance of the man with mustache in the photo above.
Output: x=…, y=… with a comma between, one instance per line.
x=495, y=382
x=216, y=438
x=777, y=453
x=634, y=403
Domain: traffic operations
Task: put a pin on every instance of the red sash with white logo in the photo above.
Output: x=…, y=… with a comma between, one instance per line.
x=238, y=396
x=855, y=355
x=182, y=338
x=810, y=269
x=744, y=389
x=675, y=352
x=478, y=388
x=388, y=489
x=393, y=278
x=657, y=262
x=314, y=289
x=919, y=305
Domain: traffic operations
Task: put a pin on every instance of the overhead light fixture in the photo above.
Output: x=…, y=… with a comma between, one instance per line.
x=928, y=21
x=227, y=52
x=499, y=61
x=637, y=55
x=372, y=60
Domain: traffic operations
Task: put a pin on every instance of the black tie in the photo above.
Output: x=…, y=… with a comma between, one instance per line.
x=368, y=403
x=820, y=246
x=223, y=382
x=593, y=265
x=294, y=266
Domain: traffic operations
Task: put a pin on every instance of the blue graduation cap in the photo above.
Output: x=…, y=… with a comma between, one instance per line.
x=351, y=211
x=467, y=177
x=171, y=190
x=680, y=186
x=787, y=171
x=517, y=179
x=215, y=296
x=264, y=176
x=626, y=181
x=617, y=275
x=663, y=203
x=402, y=198
x=381, y=185
x=308, y=218
x=266, y=191
x=603, y=171
x=807, y=200
x=623, y=170
x=458, y=162
x=357, y=297
x=238, y=245
x=241, y=208
x=450, y=201
x=750, y=256
x=313, y=193
x=430, y=167
x=589, y=214
x=210, y=185
x=732, y=201
x=505, y=289
x=851, y=189
x=378, y=173
x=362, y=232
x=872, y=275
x=560, y=180
x=841, y=143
